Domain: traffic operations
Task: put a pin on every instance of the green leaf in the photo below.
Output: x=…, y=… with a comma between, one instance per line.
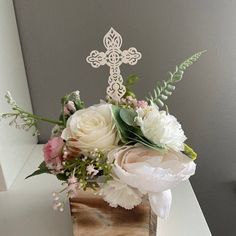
x=128, y=116
x=120, y=124
x=188, y=151
x=79, y=104
x=127, y=130
x=74, y=97
x=165, y=88
x=62, y=177
x=41, y=170
x=131, y=80
x=147, y=144
x=129, y=93
x=141, y=139
x=62, y=115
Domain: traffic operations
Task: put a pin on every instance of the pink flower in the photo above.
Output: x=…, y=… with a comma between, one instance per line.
x=66, y=111
x=53, y=153
x=73, y=186
x=142, y=104
x=91, y=171
x=71, y=106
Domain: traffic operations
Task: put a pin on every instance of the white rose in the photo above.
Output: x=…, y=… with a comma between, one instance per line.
x=92, y=128
x=161, y=128
x=152, y=172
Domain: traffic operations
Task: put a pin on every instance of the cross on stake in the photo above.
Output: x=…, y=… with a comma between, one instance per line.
x=114, y=57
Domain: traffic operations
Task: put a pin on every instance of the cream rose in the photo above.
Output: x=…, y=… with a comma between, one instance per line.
x=92, y=128
x=152, y=172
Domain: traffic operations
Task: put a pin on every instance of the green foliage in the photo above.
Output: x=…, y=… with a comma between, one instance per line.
x=131, y=80
x=62, y=177
x=75, y=98
x=79, y=105
x=188, y=151
x=122, y=127
x=42, y=169
x=22, y=119
x=128, y=131
x=78, y=168
x=165, y=88
x=128, y=116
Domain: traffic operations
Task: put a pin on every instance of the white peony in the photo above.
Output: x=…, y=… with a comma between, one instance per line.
x=118, y=193
x=161, y=128
x=92, y=128
x=152, y=172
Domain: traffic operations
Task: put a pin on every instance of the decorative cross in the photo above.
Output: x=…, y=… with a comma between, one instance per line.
x=114, y=57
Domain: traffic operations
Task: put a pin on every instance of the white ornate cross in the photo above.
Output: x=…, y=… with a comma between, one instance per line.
x=114, y=57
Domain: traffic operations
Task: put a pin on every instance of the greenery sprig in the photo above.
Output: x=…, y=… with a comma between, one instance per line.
x=131, y=81
x=79, y=166
x=22, y=119
x=165, y=88
x=128, y=131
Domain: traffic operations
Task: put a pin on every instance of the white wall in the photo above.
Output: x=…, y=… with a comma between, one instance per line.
x=15, y=145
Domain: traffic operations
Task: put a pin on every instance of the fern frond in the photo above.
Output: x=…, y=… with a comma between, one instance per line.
x=165, y=88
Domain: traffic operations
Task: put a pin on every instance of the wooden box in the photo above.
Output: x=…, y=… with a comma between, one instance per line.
x=92, y=216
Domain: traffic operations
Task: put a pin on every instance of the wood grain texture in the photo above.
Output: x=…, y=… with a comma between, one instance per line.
x=91, y=216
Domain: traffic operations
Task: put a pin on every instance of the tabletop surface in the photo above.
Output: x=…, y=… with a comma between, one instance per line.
x=26, y=209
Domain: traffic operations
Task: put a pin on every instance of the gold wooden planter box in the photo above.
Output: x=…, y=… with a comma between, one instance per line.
x=92, y=216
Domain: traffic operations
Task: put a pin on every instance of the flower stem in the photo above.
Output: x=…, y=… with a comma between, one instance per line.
x=36, y=117
x=45, y=119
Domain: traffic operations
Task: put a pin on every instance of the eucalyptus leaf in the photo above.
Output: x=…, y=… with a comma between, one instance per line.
x=128, y=116
x=120, y=124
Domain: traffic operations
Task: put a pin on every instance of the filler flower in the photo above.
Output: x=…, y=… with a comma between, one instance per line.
x=161, y=128
x=73, y=186
x=92, y=127
x=152, y=172
x=91, y=171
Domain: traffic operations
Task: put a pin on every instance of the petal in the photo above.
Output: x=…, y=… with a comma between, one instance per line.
x=160, y=203
x=66, y=134
x=117, y=193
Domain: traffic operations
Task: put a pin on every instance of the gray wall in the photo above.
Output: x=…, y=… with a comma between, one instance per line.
x=57, y=36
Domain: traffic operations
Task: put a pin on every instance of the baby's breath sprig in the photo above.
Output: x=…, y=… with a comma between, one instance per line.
x=22, y=119
x=90, y=170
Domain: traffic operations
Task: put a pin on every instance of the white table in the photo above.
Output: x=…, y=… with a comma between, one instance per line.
x=25, y=210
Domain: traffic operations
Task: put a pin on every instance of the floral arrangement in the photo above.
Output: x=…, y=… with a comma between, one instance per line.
x=121, y=149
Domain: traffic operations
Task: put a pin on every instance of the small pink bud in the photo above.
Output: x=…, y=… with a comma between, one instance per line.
x=142, y=104
x=71, y=106
x=66, y=111
x=56, y=198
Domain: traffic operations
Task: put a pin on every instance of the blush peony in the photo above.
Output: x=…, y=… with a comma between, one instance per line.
x=151, y=172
